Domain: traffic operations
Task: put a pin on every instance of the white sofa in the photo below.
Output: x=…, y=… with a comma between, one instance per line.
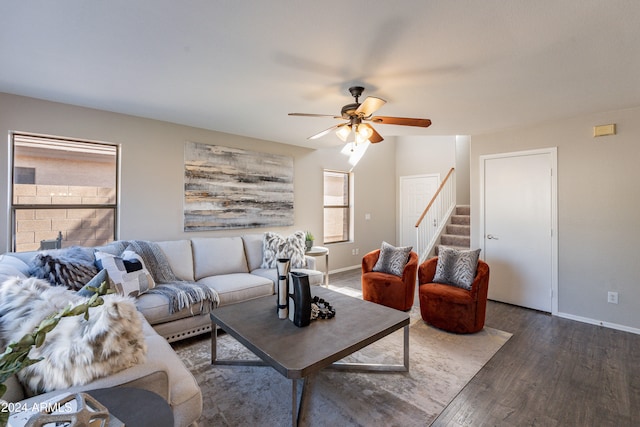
x=230, y=265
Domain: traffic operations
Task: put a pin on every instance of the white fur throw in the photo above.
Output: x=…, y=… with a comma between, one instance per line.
x=76, y=351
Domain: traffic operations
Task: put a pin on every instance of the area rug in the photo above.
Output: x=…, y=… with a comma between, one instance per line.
x=441, y=364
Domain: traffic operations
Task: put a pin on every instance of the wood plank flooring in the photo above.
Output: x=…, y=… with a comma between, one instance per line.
x=552, y=372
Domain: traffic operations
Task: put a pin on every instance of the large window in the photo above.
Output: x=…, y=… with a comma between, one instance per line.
x=63, y=192
x=337, y=206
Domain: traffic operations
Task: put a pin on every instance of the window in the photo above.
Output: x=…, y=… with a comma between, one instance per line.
x=63, y=192
x=337, y=206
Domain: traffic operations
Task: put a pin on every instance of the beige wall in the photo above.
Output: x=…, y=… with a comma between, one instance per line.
x=598, y=205
x=152, y=174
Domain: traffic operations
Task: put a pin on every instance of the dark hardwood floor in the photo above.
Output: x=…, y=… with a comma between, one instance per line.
x=552, y=372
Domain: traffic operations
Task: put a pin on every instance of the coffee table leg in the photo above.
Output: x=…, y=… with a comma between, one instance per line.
x=299, y=409
x=214, y=342
x=378, y=367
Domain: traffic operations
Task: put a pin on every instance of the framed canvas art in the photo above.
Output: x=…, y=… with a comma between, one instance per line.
x=228, y=188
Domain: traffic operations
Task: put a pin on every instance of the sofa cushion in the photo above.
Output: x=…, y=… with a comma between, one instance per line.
x=180, y=257
x=155, y=309
x=218, y=255
x=238, y=287
x=253, y=249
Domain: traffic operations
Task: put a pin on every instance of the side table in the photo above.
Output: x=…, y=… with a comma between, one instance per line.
x=317, y=251
x=135, y=406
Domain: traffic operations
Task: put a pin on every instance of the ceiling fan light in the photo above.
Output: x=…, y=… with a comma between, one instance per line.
x=360, y=139
x=343, y=132
x=365, y=131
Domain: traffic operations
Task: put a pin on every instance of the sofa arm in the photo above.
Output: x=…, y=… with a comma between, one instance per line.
x=151, y=375
x=310, y=262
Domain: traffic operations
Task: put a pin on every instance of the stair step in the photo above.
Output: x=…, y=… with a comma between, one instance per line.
x=460, y=248
x=463, y=210
x=461, y=219
x=459, y=229
x=455, y=240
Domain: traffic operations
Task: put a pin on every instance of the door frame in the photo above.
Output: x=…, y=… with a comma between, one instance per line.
x=402, y=179
x=553, y=152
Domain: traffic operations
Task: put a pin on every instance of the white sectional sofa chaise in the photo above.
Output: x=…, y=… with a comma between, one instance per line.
x=229, y=265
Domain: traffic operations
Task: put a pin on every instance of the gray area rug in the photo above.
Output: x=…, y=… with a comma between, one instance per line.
x=441, y=364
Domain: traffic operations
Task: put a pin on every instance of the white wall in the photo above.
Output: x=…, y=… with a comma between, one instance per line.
x=151, y=197
x=598, y=205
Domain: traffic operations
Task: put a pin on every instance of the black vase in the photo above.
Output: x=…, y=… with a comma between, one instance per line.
x=299, y=299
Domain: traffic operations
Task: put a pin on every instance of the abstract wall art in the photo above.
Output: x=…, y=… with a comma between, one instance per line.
x=228, y=188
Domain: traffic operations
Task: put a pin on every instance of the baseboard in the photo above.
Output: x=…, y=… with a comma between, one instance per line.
x=340, y=270
x=599, y=323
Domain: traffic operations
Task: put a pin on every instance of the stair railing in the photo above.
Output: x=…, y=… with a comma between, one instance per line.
x=435, y=216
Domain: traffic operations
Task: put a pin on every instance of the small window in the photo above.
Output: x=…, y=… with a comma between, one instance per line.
x=337, y=206
x=70, y=201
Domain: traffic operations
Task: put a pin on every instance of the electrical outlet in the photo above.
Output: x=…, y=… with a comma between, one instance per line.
x=612, y=297
x=353, y=251
x=357, y=251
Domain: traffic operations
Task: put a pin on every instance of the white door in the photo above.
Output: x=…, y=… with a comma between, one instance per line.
x=518, y=228
x=415, y=193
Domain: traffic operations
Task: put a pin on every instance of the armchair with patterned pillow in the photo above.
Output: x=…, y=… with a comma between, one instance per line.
x=389, y=276
x=452, y=289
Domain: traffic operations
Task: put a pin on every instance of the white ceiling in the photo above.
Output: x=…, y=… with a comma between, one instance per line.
x=240, y=66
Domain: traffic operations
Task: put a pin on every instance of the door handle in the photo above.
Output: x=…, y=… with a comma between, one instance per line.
x=492, y=237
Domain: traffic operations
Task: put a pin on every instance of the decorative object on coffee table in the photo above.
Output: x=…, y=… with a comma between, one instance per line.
x=283, y=266
x=299, y=299
x=321, y=309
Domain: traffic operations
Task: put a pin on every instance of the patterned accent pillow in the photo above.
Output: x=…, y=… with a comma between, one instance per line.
x=275, y=246
x=392, y=260
x=127, y=272
x=71, y=268
x=456, y=267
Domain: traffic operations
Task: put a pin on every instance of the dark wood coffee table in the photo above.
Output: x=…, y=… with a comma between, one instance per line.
x=299, y=353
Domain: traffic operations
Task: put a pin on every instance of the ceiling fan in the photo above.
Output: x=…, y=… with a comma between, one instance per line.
x=358, y=114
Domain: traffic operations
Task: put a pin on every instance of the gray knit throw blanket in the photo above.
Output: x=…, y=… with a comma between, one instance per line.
x=181, y=294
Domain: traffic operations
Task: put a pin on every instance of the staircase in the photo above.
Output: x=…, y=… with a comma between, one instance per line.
x=458, y=231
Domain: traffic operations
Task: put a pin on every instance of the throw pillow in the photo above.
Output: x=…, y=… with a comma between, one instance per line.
x=392, y=260
x=456, y=267
x=127, y=272
x=71, y=268
x=77, y=350
x=275, y=246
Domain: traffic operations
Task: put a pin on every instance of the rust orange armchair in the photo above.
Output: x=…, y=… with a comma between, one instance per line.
x=451, y=308
x=388, y=289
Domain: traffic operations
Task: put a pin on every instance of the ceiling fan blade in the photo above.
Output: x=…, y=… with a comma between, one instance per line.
x=369, y=106
x=326, y=131
x=313, y=115
x=402, y=121
x=375, y=136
